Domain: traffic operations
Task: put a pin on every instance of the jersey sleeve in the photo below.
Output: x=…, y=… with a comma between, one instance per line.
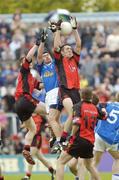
x=57, y=55
x=25, y=66
x=37, y=84
x=102, y=115
x=76, y=57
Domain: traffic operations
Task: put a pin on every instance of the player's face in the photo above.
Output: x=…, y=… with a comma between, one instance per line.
x=47, y=58
x=67, y=51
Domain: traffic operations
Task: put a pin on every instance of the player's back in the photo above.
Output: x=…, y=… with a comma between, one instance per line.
x=89, y=114
x=109, y=129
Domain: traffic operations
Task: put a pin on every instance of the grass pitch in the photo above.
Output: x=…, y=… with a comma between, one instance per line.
x=104, y=176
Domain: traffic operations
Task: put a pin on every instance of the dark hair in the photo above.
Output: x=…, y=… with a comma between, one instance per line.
x=61, y=47
x=45, y=51
x=87, y=94
x=10, y=101
x=21, y=59
x=95, y=99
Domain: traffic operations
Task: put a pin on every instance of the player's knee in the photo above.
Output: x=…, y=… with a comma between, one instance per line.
x=60, y=161
x=33, y=129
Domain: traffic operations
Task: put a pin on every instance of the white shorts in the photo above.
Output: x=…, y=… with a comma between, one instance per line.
x=51, y=98
x=102, y=145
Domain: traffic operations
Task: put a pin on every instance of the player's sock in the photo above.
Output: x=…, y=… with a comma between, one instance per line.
x=52, y=141
x=27, y=147
x=51, y=170
x=63, y=137
x=1, y=178
x=115, y=177
x=28, y=174
x=76, y=178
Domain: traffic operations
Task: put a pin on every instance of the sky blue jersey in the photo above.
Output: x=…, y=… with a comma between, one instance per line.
x=109, y=129
x=49, y=75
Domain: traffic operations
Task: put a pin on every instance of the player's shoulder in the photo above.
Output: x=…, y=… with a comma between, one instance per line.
x=113, y=104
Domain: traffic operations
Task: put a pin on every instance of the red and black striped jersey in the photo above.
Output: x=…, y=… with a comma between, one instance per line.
x=68, y=70
x=86, y=114
x=25, y=82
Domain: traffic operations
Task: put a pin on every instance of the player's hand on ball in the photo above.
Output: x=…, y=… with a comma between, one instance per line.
x=53, y=26
x=59, y=24
x=73, y=22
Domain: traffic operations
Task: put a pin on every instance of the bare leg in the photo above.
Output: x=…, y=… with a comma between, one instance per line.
x=81, y=169
x=30, y=166
x=63, y=159
x=30, y=125
x=97, y=157
x=40, y=109
x=115, y=166
x=53, y=120
x=72, y=164
x=43, y=160
x=67, y=103
x=91, y=168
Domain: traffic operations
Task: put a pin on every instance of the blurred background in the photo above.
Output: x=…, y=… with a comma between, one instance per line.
x=98, y=25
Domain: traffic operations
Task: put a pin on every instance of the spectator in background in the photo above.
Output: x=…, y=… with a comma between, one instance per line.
x=87, y=37
x=112, y=43
x=110, y=74
x=8, y=102
x=83, y=81
x=116, y=86
x=17, y=23
x=88, y=68
x=107, y=86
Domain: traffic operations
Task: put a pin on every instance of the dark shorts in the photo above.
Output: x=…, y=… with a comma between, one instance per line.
x=81, y=148
x=37, y=141
x=58, y=107
x=24, y=108
x=72, y=93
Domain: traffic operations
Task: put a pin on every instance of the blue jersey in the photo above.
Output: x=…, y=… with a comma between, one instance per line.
x=39, y=95
x=49, y=75
x=109, y=129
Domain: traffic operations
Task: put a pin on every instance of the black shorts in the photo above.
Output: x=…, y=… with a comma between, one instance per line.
x=72, y=93
x=37, y=141
x=81, y=148
x=58, y=107
x=24, y=108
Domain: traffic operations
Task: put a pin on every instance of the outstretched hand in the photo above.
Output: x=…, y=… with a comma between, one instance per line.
x=59, y=24
x=44, y=35
x=73, y=22
x=52, y=26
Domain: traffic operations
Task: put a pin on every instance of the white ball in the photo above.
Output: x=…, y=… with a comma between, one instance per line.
x=66, y=28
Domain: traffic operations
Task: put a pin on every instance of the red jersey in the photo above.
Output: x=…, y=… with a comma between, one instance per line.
x=26, y=82
x=68, y=70
x=86, y=114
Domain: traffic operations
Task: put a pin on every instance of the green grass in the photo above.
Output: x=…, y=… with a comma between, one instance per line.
x=104, y=176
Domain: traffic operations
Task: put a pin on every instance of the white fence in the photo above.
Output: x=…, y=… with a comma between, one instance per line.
x=81, y=17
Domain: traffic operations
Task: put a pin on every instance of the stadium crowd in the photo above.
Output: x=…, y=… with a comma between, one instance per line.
x=98, y=68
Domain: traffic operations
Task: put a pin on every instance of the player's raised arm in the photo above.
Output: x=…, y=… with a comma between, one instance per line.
x=76, y=34
x=43, y=37
x=32, y=50
x=57, y=37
